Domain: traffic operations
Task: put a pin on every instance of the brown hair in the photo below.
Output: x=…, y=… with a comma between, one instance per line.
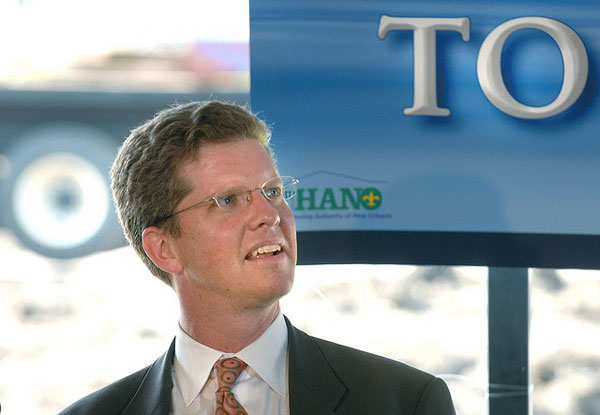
x=146, y=183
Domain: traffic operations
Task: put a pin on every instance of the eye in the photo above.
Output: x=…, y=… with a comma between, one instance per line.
x=228, y=201
x=273, y=192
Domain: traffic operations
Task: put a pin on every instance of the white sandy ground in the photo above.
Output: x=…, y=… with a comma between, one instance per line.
x=68, y=328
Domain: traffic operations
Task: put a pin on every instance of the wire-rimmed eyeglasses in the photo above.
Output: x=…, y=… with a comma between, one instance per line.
x=275, y=189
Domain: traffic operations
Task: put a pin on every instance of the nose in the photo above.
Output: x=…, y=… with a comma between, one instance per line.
x=261, y=211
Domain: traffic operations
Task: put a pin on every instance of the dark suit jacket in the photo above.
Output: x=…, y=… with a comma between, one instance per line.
x=324, y=378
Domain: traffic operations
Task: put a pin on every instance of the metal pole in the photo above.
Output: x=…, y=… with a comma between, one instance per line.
x=508, y=341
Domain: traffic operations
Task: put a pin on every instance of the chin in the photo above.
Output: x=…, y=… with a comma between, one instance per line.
x=280, y=290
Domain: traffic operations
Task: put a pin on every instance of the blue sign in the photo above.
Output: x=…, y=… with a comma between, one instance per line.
x=441, y=118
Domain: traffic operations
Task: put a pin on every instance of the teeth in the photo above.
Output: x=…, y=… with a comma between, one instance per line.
x=267, y=249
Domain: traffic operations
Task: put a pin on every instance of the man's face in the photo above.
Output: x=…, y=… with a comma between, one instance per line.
x=216, y=247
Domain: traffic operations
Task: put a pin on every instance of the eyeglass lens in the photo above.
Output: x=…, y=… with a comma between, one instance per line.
x=273, y=189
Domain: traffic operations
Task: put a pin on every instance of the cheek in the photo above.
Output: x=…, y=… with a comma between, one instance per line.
x=287, y=219
x=288, y=226
x=227, y=237
x=208, y=239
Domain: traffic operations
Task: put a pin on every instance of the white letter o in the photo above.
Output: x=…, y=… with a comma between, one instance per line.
x=575, y=63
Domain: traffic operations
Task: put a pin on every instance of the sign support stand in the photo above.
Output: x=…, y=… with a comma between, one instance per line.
x=508, y=336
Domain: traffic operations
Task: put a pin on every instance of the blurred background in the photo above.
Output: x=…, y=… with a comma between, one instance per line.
x=78, y=309
x=72, y=326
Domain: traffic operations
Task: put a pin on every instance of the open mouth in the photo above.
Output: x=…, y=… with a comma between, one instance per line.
x=264, y=250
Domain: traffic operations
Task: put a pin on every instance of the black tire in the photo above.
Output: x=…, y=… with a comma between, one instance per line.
x=56, y=198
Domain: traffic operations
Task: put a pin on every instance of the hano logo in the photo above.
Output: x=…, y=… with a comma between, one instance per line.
x=371, y=198
x=343, y=198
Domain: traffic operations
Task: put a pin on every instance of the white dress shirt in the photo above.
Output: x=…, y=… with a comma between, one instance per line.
x=262, y=387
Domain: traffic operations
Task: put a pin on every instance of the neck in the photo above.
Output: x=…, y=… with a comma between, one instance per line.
x=242, y=328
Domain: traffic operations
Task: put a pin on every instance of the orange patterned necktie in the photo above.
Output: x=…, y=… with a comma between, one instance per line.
x=227, y=371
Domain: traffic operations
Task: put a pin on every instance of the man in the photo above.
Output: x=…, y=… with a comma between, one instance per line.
x=201, y=201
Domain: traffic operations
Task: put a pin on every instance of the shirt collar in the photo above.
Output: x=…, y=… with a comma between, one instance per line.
x=266, y=356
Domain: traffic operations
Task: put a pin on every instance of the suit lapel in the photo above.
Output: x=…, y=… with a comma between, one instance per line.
x=153, y=396
x=314, y=387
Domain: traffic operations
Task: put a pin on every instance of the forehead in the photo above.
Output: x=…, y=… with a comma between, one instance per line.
x=243, y=162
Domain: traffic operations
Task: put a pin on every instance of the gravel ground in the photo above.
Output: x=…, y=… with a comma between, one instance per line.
x=70, y=327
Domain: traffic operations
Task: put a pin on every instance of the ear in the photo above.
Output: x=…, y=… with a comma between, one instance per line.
x=157, y=244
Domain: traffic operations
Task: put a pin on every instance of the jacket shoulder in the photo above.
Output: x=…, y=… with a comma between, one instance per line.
x=403, y=387
x=146, y=391
x=364, y=362
x=111, y=399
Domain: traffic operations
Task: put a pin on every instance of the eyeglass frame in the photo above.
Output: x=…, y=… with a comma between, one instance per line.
x=293, y=182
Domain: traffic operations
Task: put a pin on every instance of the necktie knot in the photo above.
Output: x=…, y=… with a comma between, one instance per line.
x=226, y=372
